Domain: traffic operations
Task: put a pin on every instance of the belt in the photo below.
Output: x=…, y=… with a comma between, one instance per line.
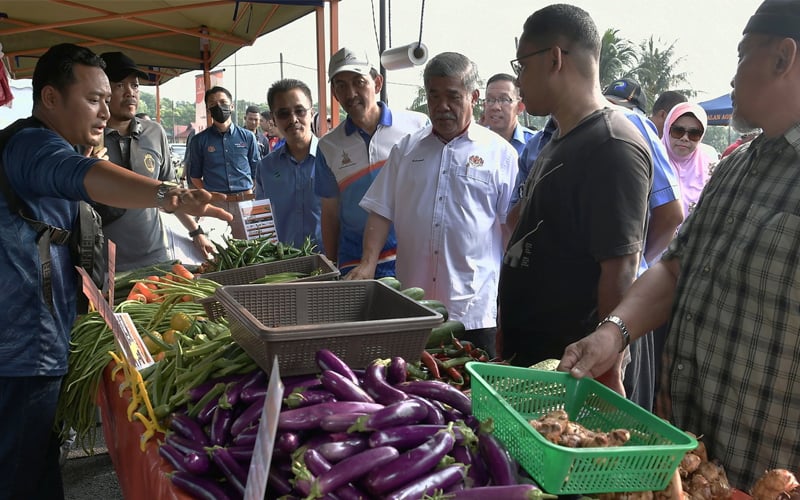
x=241, y=196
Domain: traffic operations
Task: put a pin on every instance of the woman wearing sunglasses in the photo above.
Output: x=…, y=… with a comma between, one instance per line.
x=685, y=126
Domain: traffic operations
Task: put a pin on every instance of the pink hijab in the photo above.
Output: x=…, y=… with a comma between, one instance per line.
x=692, y=170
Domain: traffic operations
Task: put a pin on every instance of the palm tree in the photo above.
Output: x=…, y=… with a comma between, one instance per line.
x=617, y=57
x=420, y=102
x=657, y=72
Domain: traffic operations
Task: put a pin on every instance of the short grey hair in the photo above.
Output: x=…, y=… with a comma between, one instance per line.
x=453, y=64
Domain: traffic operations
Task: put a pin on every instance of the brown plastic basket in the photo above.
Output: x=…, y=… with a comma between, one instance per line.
x=319, y=264
x=359, y=320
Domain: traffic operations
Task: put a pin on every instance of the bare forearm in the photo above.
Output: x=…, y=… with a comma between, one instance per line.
x=375, y=233
x=329, y=221
x=119, y=187
x=664, y=220
x=198, y=183
x=648, y=303
x=616, y=276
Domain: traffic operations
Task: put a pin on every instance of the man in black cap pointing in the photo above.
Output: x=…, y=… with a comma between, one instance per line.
x=730, y=281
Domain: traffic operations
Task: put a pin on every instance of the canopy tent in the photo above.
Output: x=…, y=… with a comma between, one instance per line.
x=719, y=110
x=165, y=37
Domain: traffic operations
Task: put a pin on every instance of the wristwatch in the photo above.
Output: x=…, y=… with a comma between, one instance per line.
x=161, y=194
x=623, y=329
x=196, y=232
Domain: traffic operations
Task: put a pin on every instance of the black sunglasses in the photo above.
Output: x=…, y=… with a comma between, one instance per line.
x=694, y=133
x=285, y=114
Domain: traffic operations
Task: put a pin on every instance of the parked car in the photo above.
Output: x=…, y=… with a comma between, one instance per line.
x=177, y=152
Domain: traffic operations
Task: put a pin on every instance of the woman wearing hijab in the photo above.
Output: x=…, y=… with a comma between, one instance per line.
x=684, y=128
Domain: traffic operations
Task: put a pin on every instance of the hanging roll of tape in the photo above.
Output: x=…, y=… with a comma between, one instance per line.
x=406, y=56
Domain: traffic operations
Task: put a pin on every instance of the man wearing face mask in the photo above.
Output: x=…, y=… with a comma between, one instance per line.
x=223, y=157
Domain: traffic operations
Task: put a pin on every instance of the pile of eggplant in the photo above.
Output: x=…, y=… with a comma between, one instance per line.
x=345, y=434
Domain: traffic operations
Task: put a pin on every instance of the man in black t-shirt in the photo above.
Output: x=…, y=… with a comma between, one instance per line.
x=582, y=217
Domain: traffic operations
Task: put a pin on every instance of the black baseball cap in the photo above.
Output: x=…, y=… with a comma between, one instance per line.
x=119, y=66
x=628, y=93
x=776, y=17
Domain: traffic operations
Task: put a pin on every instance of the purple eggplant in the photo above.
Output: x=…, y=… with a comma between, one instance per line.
x=327, y=360
x=252, y=393
x=435, y=415
x=343, y=388
x=404, y=437
x=299, y=382
x=309, y=417
x=476, y=469
x=287, y=442
x=308, y=397
x=233, y=471
x=351, y=469
x=249, y=417
x=439, y=480
x=339, y=422
x=378, y=388
x=336, y=451
x=509, y=492
x=188, y=428
x=411, y=464
x=502, y=468
x=258, y=379
x=246, y=438
x=439, y=391
x=199, y=487
x=206, y=413
x=316, y=465
x=194, y=463
x=183, y=444
x=197, y=392
x=397, y=371
x=278, y=482
x=242, y=454
x=221, y=426
x=405, y=412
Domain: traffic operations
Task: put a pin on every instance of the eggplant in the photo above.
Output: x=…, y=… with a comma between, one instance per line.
x=233, y=471
x=287, y=442
x=404, y=437
x=502, y=468
x=327, y=360
x=439, y=480
x=308, y=397
x=197, y=392
x=193, y=462
x=188, y=428
x=339, y=422
x=246, y=438
x=343, y=388
x=411, y=464
x=476, y=469
x=183, y=444
x=509, y=492
x=249, y=417
x=351, y=469
x=231, y=395
x=299, y=382
x=252, y=393
x=309, y=417
x=316, y=465
x=221, y=426
x=256, y=379
x=336, y=451
x=435, y=414
x=378, y=388
x=438, y=391
x=242, y=454
x=206, y=413
x=278, y=482
x=405, y=412
x=397, y=371
x=199, y=487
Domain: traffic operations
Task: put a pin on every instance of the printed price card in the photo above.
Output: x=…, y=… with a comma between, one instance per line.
x=259, y=220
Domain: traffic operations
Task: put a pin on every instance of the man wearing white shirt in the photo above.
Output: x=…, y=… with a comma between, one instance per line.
x=446, y=188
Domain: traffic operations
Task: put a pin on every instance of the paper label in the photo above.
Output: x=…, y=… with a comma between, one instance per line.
x=265, y=439
x=259, y=220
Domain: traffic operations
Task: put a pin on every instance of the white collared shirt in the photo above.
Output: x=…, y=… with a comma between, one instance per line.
x=448, y=203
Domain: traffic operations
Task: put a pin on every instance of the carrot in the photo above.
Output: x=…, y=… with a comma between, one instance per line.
x=152, y=286
x=146, y=292
x=180, y=270
x=137, y=296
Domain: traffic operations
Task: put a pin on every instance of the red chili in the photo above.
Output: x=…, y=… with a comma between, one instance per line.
x=455, y=375
x=457, y=343
x=430, y=363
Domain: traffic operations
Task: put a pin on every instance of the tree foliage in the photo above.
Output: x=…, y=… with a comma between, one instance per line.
x=617, y=57
x=656, y=70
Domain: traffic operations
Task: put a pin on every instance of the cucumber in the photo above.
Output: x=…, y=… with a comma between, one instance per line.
x=391, y=281
x=436, y=306
x=414, y=292
x=442, y=334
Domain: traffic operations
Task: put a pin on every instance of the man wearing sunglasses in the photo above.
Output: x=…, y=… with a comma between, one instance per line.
x=730, y=281
x=352, y=154
x=583, y=211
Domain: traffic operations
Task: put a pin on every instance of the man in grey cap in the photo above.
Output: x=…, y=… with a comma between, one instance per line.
x=730, y=281
x=352, y=154
x=141, y=146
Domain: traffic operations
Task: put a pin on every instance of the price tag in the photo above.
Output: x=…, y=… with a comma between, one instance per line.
x=265, y=439
x=259, y=219
x=125, y=333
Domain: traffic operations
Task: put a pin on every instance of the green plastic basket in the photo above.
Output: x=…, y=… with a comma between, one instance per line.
x=513, y=396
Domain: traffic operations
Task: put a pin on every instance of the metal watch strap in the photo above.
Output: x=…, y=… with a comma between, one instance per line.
x=623, y=329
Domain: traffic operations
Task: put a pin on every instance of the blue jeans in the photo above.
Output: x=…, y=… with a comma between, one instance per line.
x=29, y=447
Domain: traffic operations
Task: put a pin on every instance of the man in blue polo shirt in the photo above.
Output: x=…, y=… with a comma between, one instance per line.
x=224, y=156
x=350, y=157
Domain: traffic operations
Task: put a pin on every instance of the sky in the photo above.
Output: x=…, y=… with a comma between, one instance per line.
x=705, y=33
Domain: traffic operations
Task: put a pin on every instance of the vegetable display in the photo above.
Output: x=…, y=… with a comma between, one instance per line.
x=234, y=253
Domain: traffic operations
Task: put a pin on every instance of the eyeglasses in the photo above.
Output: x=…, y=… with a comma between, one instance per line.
x=285, y=114
x=500, y=100
x=517, y=67
x=678, y=132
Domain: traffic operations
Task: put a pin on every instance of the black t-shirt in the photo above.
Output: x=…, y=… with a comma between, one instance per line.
x=585, y=201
